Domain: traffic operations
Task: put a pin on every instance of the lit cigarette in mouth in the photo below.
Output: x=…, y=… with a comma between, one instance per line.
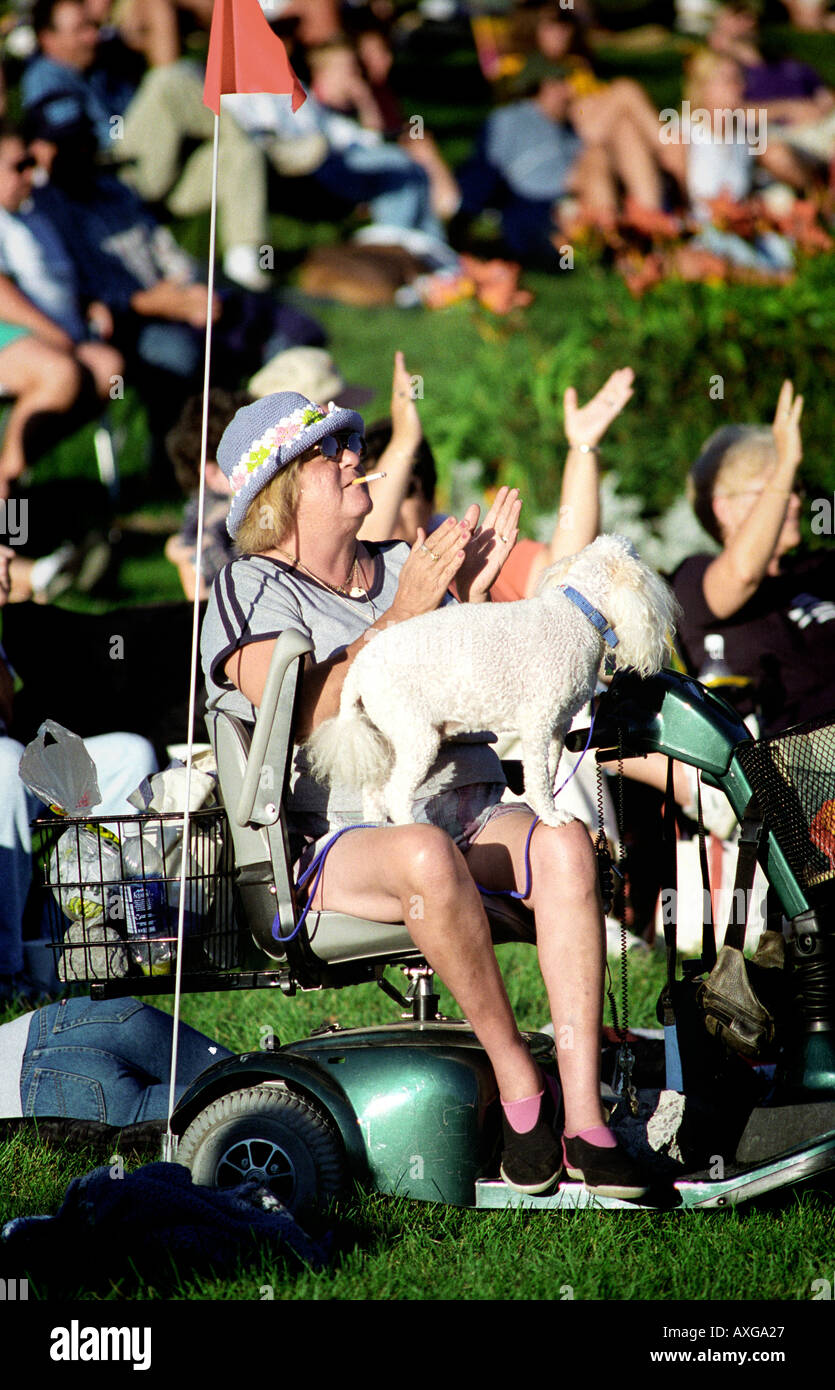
x=366, y=478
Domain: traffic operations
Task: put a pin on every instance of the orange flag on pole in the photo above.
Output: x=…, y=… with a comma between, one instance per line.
x=246, y=56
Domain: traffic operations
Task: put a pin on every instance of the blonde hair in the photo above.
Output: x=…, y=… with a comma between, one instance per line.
x=272, y=511
x=733, y=456
x=703, y=66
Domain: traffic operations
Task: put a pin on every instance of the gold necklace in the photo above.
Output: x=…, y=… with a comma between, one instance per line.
x=356, y=590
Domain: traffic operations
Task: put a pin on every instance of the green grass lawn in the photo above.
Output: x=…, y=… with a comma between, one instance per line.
x=389, y=1248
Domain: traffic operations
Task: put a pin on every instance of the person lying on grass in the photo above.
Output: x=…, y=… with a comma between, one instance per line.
x=106, y=1061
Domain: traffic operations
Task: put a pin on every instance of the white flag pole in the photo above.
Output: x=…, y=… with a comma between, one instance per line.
x=169, y=1145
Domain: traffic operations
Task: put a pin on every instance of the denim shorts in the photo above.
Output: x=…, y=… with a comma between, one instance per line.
x=462, y=812
x=108, y=1060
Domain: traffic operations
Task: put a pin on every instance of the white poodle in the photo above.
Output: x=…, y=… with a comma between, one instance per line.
x=527, y=666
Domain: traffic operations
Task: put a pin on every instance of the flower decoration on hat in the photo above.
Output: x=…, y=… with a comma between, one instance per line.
x=269, y=434
x=264, y=450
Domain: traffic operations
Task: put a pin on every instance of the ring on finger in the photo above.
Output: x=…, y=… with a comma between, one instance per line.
x=503, y=540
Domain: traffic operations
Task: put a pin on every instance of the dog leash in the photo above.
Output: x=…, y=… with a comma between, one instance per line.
x=317, y=865
x=512, y=892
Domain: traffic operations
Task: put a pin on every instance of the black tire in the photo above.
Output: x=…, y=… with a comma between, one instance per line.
x=269, y=1132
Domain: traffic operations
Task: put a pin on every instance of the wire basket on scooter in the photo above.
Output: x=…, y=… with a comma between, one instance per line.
x=793, y=776
x=113, y=900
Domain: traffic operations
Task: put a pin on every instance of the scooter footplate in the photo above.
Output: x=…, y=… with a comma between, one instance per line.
x=493, y=1194
x=743, y=1186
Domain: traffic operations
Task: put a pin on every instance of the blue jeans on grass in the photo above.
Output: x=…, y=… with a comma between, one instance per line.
x=108, y=1060
x=395, y=188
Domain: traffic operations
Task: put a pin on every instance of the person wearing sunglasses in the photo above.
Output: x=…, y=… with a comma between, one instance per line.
x=298, y=502
x=771, y=600
x=45, y=342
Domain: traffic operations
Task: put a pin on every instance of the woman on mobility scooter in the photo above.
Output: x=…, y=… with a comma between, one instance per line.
x=298, y=503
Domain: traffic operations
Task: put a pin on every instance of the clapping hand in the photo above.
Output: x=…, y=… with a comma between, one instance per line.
x=489, y=545
x=430, y=568
x=589, y=423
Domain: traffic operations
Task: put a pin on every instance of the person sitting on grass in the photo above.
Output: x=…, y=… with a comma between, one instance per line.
x=152, y=287
x=615, y=116
x=46, y=349
x=720, y=159
x=154, y=123
x=567, y=151
x=796, y=99
x=340, y=83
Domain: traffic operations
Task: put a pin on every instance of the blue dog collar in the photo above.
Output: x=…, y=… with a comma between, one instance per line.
x=595, y=617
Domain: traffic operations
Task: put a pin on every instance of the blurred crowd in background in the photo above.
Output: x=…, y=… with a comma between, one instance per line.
x=106, y=141
x=105, y=151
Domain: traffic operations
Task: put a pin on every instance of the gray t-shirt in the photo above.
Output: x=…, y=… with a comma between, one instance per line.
x=253, y=600
x=534, y=154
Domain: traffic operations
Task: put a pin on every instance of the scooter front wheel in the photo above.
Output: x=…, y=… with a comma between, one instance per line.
x=270, y=1133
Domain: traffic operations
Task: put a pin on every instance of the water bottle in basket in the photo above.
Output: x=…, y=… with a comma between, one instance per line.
x=146, y=906
x=82, y=865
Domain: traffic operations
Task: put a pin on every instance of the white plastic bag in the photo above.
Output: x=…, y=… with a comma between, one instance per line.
x=57, y=768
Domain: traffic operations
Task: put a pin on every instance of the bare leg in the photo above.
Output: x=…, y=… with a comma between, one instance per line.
x=635, y=164
x=781, y=161
x=652, y=771
x=634, y=103
x=593, y=183
x=103, y=362
x=43, y=379
x=599, y=116
x=569, y=929
x=415, y=874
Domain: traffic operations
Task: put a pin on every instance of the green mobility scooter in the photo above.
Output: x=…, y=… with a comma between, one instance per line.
x=411, y=1108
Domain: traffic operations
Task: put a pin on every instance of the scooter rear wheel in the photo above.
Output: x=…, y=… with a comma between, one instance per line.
x=270, y=1133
